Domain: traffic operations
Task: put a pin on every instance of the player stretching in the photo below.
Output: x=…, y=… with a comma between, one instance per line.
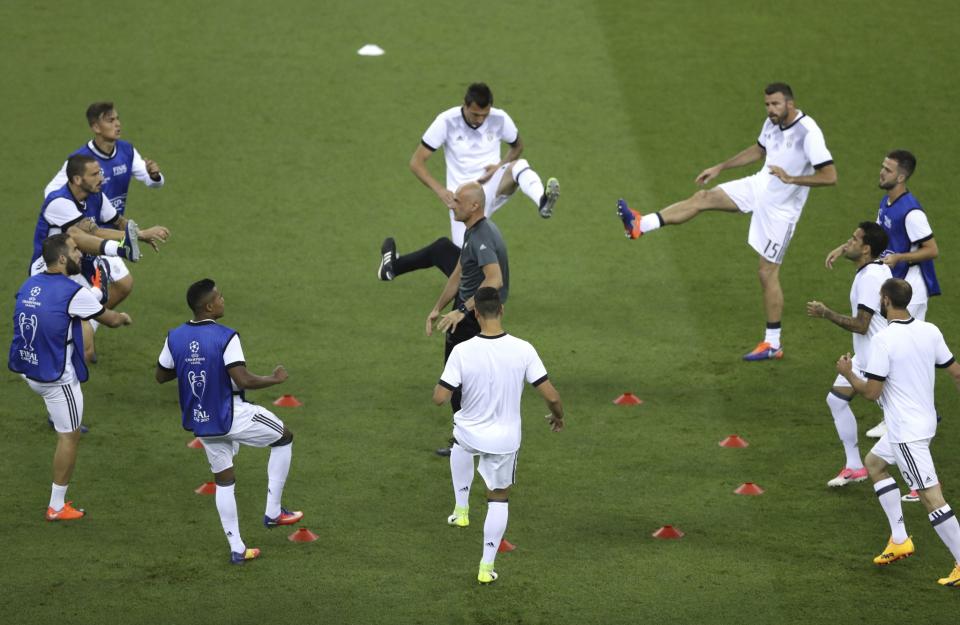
x=796, y=159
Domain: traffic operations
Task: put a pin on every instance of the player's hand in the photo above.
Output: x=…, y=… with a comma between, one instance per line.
x=782, y=175
x=708, y=174
x=834, y=255
x=125, y=319
x=446, y=196
x=153, y=170
x=815, y=309
x=844, y=365
x=450, y=321
x=279, y=374
x=488, y=172
x=431, y=318
x=556, y=424
x=890, y=260
x=155, y=236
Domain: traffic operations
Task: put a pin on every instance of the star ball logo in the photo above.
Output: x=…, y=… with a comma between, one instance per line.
x=194, y=357
x=194, y=346
x=35, y=291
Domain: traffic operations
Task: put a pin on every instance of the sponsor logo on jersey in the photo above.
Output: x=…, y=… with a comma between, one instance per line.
x=119, y=170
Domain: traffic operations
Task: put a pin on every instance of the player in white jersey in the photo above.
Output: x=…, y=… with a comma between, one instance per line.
x=490, y=369
x=900, y=374
x=797, y=158
x=470, y=136
x=863, y=248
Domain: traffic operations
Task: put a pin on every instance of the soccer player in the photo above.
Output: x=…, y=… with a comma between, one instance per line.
x=47, y=351
x=211, y=372
x=120, y=162
x=796, y=159
x=912, y=247
x=863, y=248
x=490, y=370
x=900, y=373
x=483, y=263
x=470, y=136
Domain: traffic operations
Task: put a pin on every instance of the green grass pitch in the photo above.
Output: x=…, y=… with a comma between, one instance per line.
x=286, y=156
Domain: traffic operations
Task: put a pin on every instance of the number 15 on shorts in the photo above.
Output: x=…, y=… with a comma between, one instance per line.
x=771, y=250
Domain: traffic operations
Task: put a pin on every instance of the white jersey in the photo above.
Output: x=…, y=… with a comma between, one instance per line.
x=903, y=356
x=491, y=371
x=799, y=149
x=865, y=295
x=468, y=150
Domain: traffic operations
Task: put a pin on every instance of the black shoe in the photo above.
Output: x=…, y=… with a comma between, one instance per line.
x=388, y=253
x=443, y=451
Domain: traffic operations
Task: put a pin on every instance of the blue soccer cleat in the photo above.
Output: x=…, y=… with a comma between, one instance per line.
x=630, y=219
x=764, y=351
x=285, y=518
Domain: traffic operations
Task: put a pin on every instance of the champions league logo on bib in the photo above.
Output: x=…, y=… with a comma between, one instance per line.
x=28, y=331
x=34, y=292
x=195, y=358
x=198, y=383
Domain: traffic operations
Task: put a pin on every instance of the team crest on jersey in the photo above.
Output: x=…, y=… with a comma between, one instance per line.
x=490, y=136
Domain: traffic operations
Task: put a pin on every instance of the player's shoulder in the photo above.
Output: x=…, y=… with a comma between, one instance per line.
x=498, y=114
x=452, y=114
x=808, y=123
x=878, y=269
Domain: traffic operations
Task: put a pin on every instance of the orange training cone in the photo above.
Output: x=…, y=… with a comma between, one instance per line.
x=734, y=441
x=302, y=535
x=207, y=488
x=667, y=532
x=288, y=401
x=505, y=546
x=748, y=488
x=627, y=399
x=195, y=444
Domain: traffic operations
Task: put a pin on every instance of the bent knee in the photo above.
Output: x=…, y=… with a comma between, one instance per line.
x=285, y=439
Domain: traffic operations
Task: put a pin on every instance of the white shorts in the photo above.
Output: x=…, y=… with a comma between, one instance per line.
x=913, y=459
x=118, y=268
x=770, y=228
x=857, y=371
x=493, y=203
x=64, y=402
x=497, y=470
x=253, y=425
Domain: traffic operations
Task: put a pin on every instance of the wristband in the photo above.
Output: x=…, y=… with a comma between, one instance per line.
x=463, y=308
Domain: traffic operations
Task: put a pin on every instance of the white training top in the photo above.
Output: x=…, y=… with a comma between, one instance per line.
x=138, y=169
x=903, y=356
x=468, y=150
x=491, y=371
x=798, y=149
x=865, y=294
x=61, y=212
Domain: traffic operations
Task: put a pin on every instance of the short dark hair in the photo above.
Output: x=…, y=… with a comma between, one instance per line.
x=486, y=301
x=779, y=87
x=77, y=165
x=54, y=247
x=198, y=292
x=906, y=161
x=97, y=110
x=899, y=291
x=478, y=93
x=875, y=236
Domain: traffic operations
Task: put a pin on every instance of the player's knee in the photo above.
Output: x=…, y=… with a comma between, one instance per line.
x=285, y=439
x=225, y=477
x=517, y=167
x=876, y=466
x=837, y=400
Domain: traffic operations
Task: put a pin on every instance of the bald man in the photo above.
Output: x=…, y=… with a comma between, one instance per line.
x=483, y=263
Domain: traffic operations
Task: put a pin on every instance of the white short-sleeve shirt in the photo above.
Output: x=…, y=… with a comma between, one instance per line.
x=85, y=306
x=491, y=371
x=61, y=213
x=468, y=150
x=904, y=356
x=918, y=229
x=865, y=294
x=799, y=149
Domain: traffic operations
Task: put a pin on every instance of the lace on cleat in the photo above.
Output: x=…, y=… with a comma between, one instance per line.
x=911, y=496
x=894, y=552
x=550, y=196
x=877, y=431
x=66, y=513
x=460, y=517
x=388, y=254
x=130, y=245
x=486, y=575
x=764, y=351
x=285, y=518
x=953, y=579
x=847, y=475
x=630, y=219
x=251, y=553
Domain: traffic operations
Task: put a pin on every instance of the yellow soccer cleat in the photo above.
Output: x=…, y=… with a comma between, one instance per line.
x=953, y=579
x=486, y=575
x=460, y=517
x=893, y=552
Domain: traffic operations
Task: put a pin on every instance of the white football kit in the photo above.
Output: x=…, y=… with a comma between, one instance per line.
x=865, y=295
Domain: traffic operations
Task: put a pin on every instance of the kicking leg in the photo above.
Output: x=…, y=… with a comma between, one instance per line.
x=675, y=214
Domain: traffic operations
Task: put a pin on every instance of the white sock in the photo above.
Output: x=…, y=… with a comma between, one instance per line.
x=772, y=336
x=889, y=496
x=110, y=248
x=227, y=507
x=944, y=521
x=528, y=180
x=846, y=425
x=277, y=469
x=461, y=473
x=493, y=528
x=57, y=495
x=650, y=222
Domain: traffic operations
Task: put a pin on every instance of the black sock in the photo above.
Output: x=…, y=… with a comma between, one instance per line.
x=442, y=254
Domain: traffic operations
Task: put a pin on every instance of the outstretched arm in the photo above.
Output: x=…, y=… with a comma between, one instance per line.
x=750, y=155
x=246, y=380
x=859, y=324
x=824, y=177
